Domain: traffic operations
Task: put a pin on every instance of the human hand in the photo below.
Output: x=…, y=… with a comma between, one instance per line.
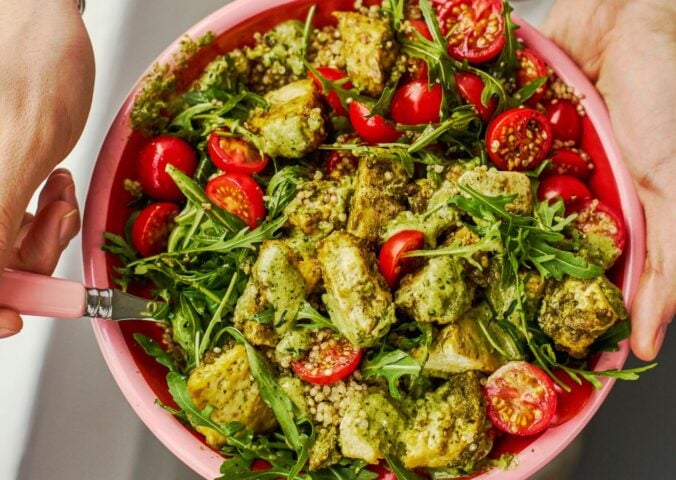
x=628, y=49
x=46, y=86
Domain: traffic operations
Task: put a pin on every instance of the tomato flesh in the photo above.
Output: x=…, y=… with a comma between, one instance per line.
x=474, y=29
x=152, y=162
x=520, y=398
x=596, y=217
x=328, y=361
x=240, y=195
x=569, y=404
x=332, y=97
x=518, y=139
x=470, y=87
x=374, y=129
x=531, y=67
x=567, y=161
x=390, y=261
x=151, y=229
x=233, y=154
x=565, y=120
x=416, y=103
x=567, y=187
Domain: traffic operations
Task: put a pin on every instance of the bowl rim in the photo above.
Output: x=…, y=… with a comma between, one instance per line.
x=172, y=433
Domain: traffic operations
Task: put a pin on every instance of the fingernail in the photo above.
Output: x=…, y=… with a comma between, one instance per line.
x=4, y=333
x=66, y=227
x=659, y=338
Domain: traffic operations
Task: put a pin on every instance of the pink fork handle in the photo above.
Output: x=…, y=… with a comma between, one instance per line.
x=33, y=294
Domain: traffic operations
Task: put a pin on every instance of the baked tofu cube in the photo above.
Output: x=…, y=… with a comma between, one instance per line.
x=462, y=346
x=493, y=183
x=449, y=426
x=357, y=299
x=275, y=281
x=319, y=207
x=369, y=49
x=379, y=196
x=368, y=429
x=438, y=292
x=227, y=385
x=574, y=312
x=294, y=123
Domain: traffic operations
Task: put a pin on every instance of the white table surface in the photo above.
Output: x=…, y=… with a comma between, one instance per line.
x=62, y=415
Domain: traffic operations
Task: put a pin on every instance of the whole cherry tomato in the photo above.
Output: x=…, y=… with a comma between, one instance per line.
x=520, y=398
x=328, y=361
x=390, y=260
x=240, y=195
x=332, y=97
x=152, y=162
x=531, y=67
x=373, y=129
x=567, y=161
x=569, y=404
x=518, y=139
x=152, y=227
x=232, y=154
x=474, y=28
x=565, y=120
x=569, y=188
x=470, y=87
x=597, y=217
x=415, y=103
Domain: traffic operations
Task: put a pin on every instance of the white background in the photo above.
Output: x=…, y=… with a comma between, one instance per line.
x=62, y=416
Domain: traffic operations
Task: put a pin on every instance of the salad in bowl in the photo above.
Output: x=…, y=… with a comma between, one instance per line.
x=388, y=238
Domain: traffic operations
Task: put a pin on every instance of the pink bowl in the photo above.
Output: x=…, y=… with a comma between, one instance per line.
x=142, y=380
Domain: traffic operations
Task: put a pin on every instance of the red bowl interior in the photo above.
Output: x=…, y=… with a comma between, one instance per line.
x=142, y=380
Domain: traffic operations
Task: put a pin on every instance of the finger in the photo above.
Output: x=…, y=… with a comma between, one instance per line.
x=59, y=186
x=10, y=323
x=652, y=312
x=47, y=236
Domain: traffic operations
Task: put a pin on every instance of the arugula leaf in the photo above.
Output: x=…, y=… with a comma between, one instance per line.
x=507, y=62
x=399, y=470
x=609, y=341
x=152, y=348
x=392, y=366
x=308, y=312
x=522, y=95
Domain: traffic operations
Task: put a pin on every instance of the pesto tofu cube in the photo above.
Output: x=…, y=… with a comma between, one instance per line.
x=576, y=312
x=226, y=384
x=369, y=427
x=449, y=426
x=599, y=250
x=379, y=196
x=438, y=292
x=462, y=346
x=294, y=123
x=494, y=182
x=357, y=299
x=369, y=50
x=319, y=207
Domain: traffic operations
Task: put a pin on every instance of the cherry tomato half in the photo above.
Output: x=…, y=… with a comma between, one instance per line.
x=152, y=162
x=565, y=120
x=569, y=188
x=415, y=103
x=374, y=129
x=232, y=154
x=531, y=67
x=240, y=195
x=569, y=404
x=476, y=29
x=568, y=161
x=152, y=227
x=390, y=261
x=518, y=139
x=597, y=217
x=332, y=97
x=328, y=361
x=520, y=399
x=470, y=87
